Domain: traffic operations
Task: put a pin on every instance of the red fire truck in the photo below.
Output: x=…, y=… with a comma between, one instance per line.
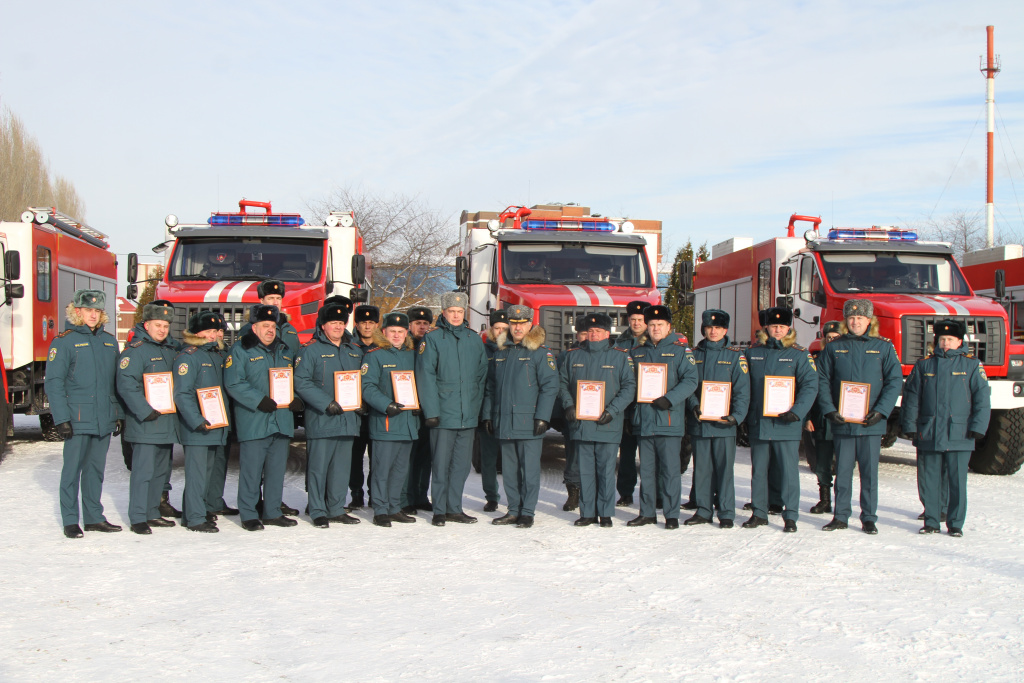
x=911, y=283
x=559, y=260
x=68, y=255
x=216, y=266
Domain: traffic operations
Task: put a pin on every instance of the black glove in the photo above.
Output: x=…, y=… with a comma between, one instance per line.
x=267, y=405
x=205, y=427
x=333, y=408
x=393, y=409
x=488, y=426
x=661, y=403
x=296, y=406
x=432, y=422
x=152, y=416
x=118, y=428
x=605, y=418
x=729, y=419
x=570, y=414
x=975, y=435
x=696, y=413
x=873, y=418
x=910, y=435
x=789, y=416
x=361, y=410
x=539, y=427
x=64, y=430
x=835, y=418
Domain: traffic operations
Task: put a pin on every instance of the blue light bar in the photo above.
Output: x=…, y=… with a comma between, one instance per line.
x=600, y=225
x=864, y=234
x=281, y=220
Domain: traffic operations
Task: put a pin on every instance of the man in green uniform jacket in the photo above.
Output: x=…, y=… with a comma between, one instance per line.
x=271, y=293
x=946, y=407
x=80, y=387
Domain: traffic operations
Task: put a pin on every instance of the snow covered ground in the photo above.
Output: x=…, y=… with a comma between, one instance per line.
x=476, y=603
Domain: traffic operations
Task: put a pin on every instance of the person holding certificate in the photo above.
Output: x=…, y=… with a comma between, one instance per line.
x=327, y=379
x=713, y=411
x=389, y=389
x=666, y=378
x=783, y=387
x=946, y=408
x=596, y=385
x=859, y=380
x=263, y=421
x=522, y=386
x=202, y=415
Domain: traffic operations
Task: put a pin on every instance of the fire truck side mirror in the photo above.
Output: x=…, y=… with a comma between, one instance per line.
x=13, y=292
x=133, y=269
x=461, y=272
x=1000, y=283
x=12, y=265
x=359, y=296
x=358, y=269
x=785, y=280
x=132, y=292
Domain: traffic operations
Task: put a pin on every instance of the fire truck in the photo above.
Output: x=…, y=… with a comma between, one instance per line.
x=911, y=283
x=68, y=255
x=216, y=265
x=561, y=261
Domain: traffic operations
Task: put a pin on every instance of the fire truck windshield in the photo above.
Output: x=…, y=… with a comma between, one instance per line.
x=893, y=272
x=574, y=263
x=292, y=260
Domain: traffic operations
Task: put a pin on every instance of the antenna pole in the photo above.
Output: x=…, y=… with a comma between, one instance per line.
x=990, y=68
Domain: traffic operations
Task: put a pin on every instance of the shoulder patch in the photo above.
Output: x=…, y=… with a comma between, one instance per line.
x=309, y=343
x=680, y=342
x=371, y=350
x=227, y=362
x=551, y=361
x=364, y=368
x=689, y=357
x=298, y=359
x=190, y=350
x=422, y=347
x=798, y=347
x=743, y=364
x=183, y=369
x=135, y=344
x=810, y=359
x=737, y=349
x=53, y=353
x=124, y=362
x=64, y=334
x=620, y=349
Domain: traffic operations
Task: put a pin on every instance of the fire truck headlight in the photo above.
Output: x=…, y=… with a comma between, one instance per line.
x=493, y=224
x=810, y=236
x=27, y=217
x=331, y=221
x=626, y=227
x=171, y=220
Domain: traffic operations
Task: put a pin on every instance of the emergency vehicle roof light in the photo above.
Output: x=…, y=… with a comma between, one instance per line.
x=278, y=219
x=873, y=233
x=584, y=223
x=171, y=220
x=626, y=227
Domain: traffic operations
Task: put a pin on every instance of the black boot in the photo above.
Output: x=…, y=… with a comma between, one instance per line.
x=834, y=525
x=606, y=521
x=73, y=531
x=573, y=501
x=505, y=520
x=491, y=506
x=790, y=526
x=166, y=509
x=525, y=522
x=585, y=521
x=755, y=522
x=824, y=501
x=382, y=520
x=141, y=528
x=642, y=521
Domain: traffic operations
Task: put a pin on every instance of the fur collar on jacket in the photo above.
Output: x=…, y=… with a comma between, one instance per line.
x=381, y=341
x=75, y=319
x=533, y=339
x=196, y=340
x=872, y=328
x=787, y=341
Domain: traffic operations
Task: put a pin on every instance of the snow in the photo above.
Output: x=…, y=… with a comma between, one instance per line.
x=479, y=602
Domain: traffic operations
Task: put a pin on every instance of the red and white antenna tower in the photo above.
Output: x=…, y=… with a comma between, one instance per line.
x=990, y=68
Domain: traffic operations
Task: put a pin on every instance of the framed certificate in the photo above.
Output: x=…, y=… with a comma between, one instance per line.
x=211, y=405
x=779, y=395
x=651, y=382
x=854, y=399
x=348, y=389
x=281, y=386
x=715, y=399
x=403, y=384
x=159, y=391
x=589, y=400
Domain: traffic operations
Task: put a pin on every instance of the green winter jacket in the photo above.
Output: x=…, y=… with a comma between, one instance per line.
x=719, y=362
x=199, y=365
x=247, y=381
x=378, y=364
x=315, y=366
x=144, y=355
x=451, y=370
x=682, y=380
x=522, y=385
x=780, y=358
x=598, y=361
x=946, y=396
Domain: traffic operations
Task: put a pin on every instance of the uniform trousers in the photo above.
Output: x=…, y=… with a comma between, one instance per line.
x=930, y=486
x=659, y=473
x=218, y=477
x=597, y=477
x=261, y=459
x=328, y=465
x=784, y=457
x=864, y=450
x=713, y=461
x=571, y=474
x=452, y=454
x=85, y=458
x=417, y=481
x=490, y=450
x=626, y=477
x=388, y=476
x=150, y=463
x=520, y=473
x=200, y=463
x=943, y=486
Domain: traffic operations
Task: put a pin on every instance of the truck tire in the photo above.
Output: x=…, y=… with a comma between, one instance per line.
x=5, y=421
x=48, y=428
x=1002, y=449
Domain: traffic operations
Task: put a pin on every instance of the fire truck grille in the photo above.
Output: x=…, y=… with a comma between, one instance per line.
x=559, y=323
x=986, y=337
x=236, y=316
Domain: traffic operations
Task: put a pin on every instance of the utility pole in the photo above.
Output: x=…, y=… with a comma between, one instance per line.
x=990, y=68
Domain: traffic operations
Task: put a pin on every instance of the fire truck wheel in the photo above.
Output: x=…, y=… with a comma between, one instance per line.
x=48, y=428
x=1002, y=449
x=808, y=451
x=5, y=424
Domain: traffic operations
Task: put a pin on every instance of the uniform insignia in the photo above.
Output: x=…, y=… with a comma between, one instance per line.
x=551, y=361
x=981, y=371
x=362, y=370
x=124, y=362
x=136, y=344
x=64, y=334
x=183, y=369
x=298, y=359
x=690, y=358
x=53, y=353
x=743, y=365
x=810, y=359
x=422, y=346
x=227, y=362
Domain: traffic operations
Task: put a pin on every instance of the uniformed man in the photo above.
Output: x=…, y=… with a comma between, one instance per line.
x=774, y=432
x=631, y=337
x=151, y=432
x=714, y=440
x=264, y=428
x=271, y=293
x=330, y=430
x=80, y=387
x=451, y=369
x=199, y=366
x=821, y=434
x=946, y=407
x=215, y=503
x=571, y=472
x=415, y=494
x=394, y=427
x=596, y=441
x=660, y=424
x=366, y=320
x=859, y=355
x=522, y=386
x=490, y=450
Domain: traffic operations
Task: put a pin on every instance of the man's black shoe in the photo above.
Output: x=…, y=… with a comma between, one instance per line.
x=928, y=530
x=774, y=509
x=671, y=523
x=834, y=525
x=204, y=528
x=409, y=510
x=869, y=528
x=606, y=521
x=725, y=524
x=585, y=521
x=344, y=519
x=491, y=506
x=141, y=528
x=279, y=521
x=74, y=531
x=252, y=525
x=955, y=533
x=624, y=501
x=104, y=526
x=695, y=520
x=460, y=517
x=291, y=512
x=321, y=523
x=505, y=520
x=381, y=520
x=437, y=520
x=402, y=518
x=790, y=527
x=161, y=522
x=227, y=512
x=641, y=521
x=755, y=522
x=525, y=522
x=688, y=506
x=426, y=507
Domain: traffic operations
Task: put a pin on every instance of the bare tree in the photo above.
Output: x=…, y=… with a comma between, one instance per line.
x=963, y=229
x=410, y=245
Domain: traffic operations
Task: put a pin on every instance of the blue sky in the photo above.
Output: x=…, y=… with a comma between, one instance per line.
x=719, y=118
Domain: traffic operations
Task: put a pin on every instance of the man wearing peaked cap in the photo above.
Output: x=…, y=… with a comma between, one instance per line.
x=366, y=321
x=631, y=337
x=271, y=293
x=490, y=450
x=946, y=408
